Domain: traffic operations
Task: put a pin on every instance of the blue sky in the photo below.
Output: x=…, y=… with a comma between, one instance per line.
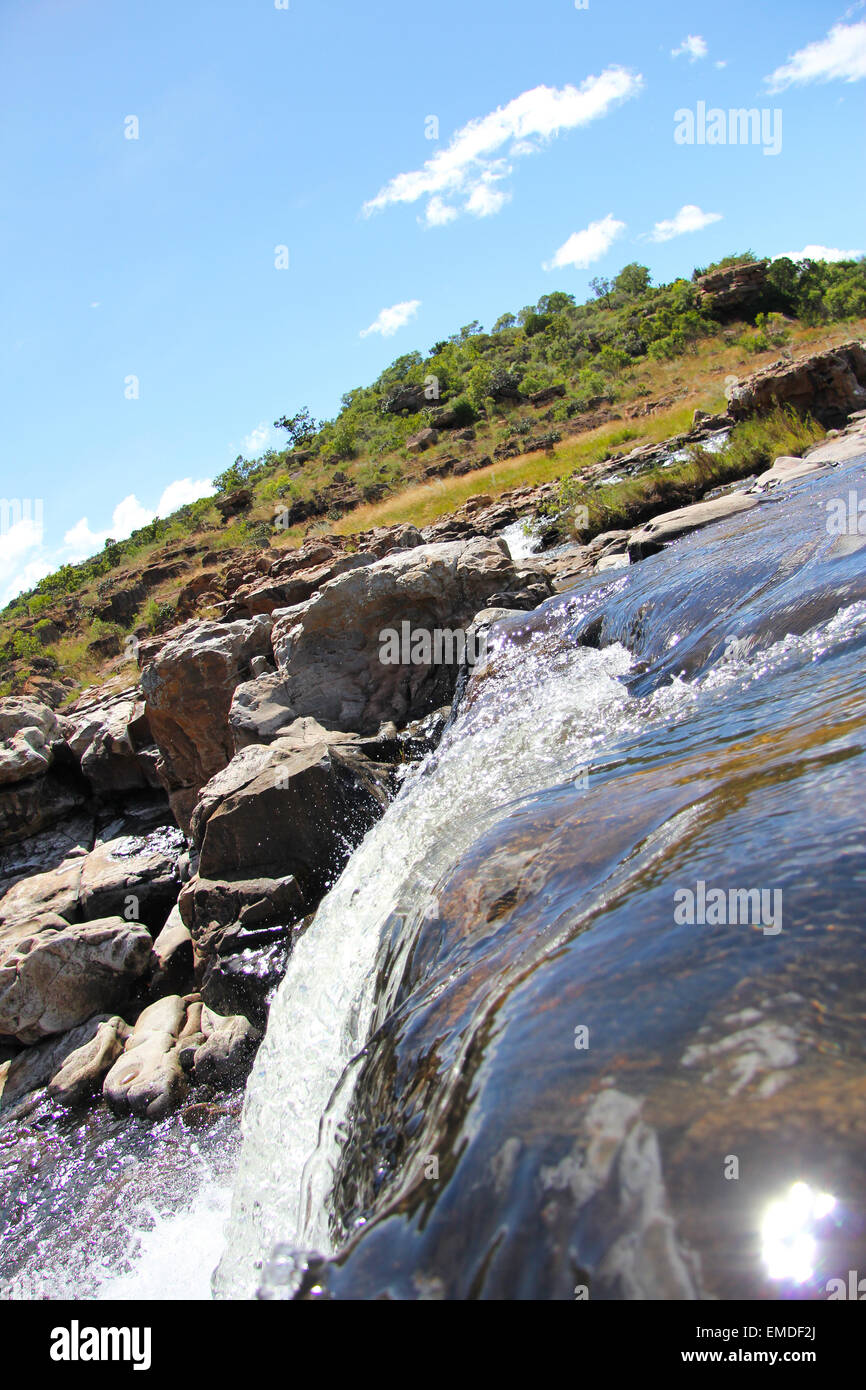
x=149, y=334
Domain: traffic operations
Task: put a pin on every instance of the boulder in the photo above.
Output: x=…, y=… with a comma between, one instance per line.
x=148, y=1079
x=35, y=1067
x=547, y=395
x=409, y=397
x=88, y=1063
x=57, y=977
x=260, y=711
x=285, y=809
x=217, y=912
x=329, y=649
x=383, y=540
x=111, y=739
x=19, y=713
x=26, y=753
x=132, y=876
x=188, y=687
x=829, y=385
x=226, y=1055
x=424, y=439
x=55, y=891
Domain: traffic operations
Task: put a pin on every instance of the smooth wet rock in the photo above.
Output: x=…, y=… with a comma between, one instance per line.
x=55, y=978
x=147, y=1079
x=669, y=525
x=225, y=1057
x=34, y=1067
x=173, y=956
x=86, y=1066
x=133, y=877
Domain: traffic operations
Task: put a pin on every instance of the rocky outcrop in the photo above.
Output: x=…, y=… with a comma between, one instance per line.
x=60, y=975
x=111, y=739
x=408, y=397
x=328, y=650
x=188, y=686
x=136, y=877
x=287, y=809
x=735, y=291
x=264, y=595
x=828, y=385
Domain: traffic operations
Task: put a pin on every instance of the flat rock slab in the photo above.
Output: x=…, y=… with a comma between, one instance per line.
x=667, y=527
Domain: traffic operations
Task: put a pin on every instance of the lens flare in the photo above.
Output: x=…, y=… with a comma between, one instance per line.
x=789, y=1245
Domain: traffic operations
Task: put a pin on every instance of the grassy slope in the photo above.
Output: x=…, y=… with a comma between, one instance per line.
x=692, y=380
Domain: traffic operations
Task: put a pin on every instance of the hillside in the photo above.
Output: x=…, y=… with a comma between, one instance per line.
x=546, y=394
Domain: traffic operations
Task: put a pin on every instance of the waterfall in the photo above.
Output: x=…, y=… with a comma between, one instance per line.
x=537, y=723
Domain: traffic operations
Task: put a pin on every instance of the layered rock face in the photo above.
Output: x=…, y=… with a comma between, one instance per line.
x=272, y=738
x=735, y=291
x=829, y=385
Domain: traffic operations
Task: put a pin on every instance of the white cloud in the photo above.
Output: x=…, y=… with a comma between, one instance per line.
x=438, y=213
x=464, y=170
x=722, y=63
x=693, y=46
x=182, y=492
x=255, y=442
x=582, y=248
x=18, y=569
x=127, y=516
x=24, y=558
x=485, y=200
x=841, y=56
x=689, y=219
x=390, y=320
x=820, y=253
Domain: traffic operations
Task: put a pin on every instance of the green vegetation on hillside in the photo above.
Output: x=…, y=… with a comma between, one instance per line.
x=480, y=390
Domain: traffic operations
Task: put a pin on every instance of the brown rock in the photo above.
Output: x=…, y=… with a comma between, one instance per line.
x=189, y=686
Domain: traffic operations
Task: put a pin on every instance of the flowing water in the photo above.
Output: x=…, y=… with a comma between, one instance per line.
x=697, y=719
